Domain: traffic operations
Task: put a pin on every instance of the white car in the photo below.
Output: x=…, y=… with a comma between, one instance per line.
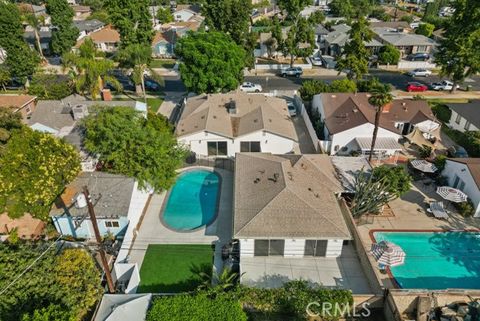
x=292, y=111
x=419, y=72
x=443, y=85
x=316, y=61
x=249, y=87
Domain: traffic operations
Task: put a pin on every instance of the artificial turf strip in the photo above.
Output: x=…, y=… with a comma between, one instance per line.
x=173, y=268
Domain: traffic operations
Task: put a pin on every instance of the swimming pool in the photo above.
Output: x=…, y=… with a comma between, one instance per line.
x=436, y=260
x=192, y=201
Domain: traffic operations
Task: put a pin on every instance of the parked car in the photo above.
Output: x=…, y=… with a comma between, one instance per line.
x=291, y=109
x=316, y=61
x=419, y=56
x=250, y=87
x=329, y=62
x=151, y=84
x=443, y=85
x=291, y=71
x=420, y=72
x=416, y=86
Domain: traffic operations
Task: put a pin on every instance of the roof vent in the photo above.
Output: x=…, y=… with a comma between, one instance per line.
x=355, y=110
x=232, y=107
x=80, y=201
x=257, y=180
x=255, y=120
x=79, y=112
x=274, y=178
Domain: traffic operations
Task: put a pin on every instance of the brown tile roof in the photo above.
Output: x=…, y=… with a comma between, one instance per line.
x=254, y=112
x=287, y=196
x=344, y=111
x=15, y=101
x=473, y=165
x=167, y=36
x=195, y=8
x=107, y=34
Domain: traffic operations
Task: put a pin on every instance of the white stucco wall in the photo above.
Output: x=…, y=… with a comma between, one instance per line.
x=461, y=125
x=268, y=142
x=247, y=247
x=453, y=169
x=334, y=248
x=294, y=248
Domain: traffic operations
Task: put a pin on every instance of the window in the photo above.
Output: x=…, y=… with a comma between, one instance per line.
x=112, y=224
x=422, y=49
x=269, y=247
x=457, y=120
x=316, y=247
x=467, y=125
x=253, y=147
x=217, y=148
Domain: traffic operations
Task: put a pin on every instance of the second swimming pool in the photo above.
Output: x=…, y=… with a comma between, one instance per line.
x=436, y=260
x=192, y=201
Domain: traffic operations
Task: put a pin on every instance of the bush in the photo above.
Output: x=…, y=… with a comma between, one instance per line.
x=465, y=208
x=367, y=85
x=425, y=151
x=442, y=112
x=439, y=162
x=407, y=18
x=389, y=55
x=344, y=85
x=398, y=177
x=380, y=14
x=311, y=88
x=197, y=307
x=264, y=22
x=47, y=86
x=425, y=29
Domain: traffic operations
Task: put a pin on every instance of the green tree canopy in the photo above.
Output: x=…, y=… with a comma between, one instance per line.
x=130, y=144
x=425, y=29
x=8, y=121
x=300, y=40
x=293, y=7
x=389, y=55
x=21, y=61
x=34, y=169
x=356, y=56
x=398, y=178
x=459, y=53
x=211, y=62
x=65, y=34
x=59, y=287
x=350, y=9
x=132, y=20
x=164, y=15
x=50, y=86
x=344, y=85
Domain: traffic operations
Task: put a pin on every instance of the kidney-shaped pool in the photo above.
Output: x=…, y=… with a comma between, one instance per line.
x=193, y=200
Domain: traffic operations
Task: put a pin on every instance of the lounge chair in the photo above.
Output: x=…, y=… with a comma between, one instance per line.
x=438, y=210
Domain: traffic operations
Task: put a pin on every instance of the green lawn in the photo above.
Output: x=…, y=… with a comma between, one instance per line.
x=171, y=268
x=162, y=63
x=154, y=103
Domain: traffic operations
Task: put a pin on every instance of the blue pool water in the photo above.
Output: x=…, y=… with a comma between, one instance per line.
x=438, y=260
x=192, y=201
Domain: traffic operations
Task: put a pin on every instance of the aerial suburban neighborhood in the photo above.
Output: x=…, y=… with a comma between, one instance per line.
x=234, y=160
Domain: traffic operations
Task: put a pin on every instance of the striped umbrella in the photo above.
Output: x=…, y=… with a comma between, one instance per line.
x=452, y=194
x=388, y=254
x=423, y=166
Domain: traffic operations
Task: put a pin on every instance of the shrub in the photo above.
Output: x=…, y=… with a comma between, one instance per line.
x=47, y=86
x=407, y=18
x=311, y=88
x=425, y=151
x=344, y=85
x=425, y=29
x=397, y=176
x=366, y=85
x=389, y=55
x=442, y=112
x=197, y=307
x=439, y=162
x=465, y=208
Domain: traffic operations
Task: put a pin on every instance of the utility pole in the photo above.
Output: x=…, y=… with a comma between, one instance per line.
x=103, y=257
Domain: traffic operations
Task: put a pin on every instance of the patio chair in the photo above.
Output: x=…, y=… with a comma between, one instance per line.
x=438, y=210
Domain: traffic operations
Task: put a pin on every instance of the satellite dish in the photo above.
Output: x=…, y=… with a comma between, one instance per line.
x=81, y=201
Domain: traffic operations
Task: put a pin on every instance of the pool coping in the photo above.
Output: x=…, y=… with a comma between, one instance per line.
x=388, y=270
x=217, y=203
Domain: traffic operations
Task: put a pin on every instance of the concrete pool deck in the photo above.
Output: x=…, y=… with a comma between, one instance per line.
x=153, y=231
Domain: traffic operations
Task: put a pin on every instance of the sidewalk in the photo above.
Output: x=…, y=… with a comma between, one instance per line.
x=438, y=94
x=315, y=71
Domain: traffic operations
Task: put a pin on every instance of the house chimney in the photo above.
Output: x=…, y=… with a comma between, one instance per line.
x=386, y=108
x=232, y=107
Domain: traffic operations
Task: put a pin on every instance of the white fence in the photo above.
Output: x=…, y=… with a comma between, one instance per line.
x=280, y=66
x=409, y=65
x=303, y=112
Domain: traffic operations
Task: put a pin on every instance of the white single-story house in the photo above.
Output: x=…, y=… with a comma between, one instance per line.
x=117, y=202
x=226, y=124
x=287, y=205
x=186, y=12
x=465, y=117
x=464, y=174
x=106, y=39
x=349, y=122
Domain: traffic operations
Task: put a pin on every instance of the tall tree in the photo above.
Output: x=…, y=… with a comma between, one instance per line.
x=35, y=23
x=356, y=55
x=87, y=72
x=380, y=97
x=459, y=52
x=132, y=19
x=64, y=34
x=126, y=142
x=350, y=9
x=164, y=15
x=21, y=61
x=211, y=62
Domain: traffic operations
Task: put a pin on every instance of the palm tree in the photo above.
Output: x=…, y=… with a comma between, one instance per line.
x=138, y=57
x=218, y=282
x=88, y=71
x=380, y=97
x=35, y=23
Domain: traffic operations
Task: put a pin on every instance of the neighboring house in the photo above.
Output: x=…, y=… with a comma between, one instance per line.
x=406, y=43
x=349, y=122
x=45, y=34
x=86, y=27
x=27, y=227
x=22, y=104
x=464, y=174
x=332, y=44
x=115, y=199
x=287, y=205
x=186, y=12
x=163, y=43
x=120, y=307
x=465, y=117
x=225, y=124
x=39, y=11
x=81, y=12
x=106, y=39
x=320, y=33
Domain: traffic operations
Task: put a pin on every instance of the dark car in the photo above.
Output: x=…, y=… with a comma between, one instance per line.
x=419, y=56
x=151, y=85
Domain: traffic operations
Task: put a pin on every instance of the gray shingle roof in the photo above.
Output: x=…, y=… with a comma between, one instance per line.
x=111, y=195
x=287, y=196
x=88, y=25
x=254, y=112
x=468, y=111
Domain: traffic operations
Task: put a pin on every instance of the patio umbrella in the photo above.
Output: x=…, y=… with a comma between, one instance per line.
x=388, y=254
x=452, y=194
x=423, y=166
